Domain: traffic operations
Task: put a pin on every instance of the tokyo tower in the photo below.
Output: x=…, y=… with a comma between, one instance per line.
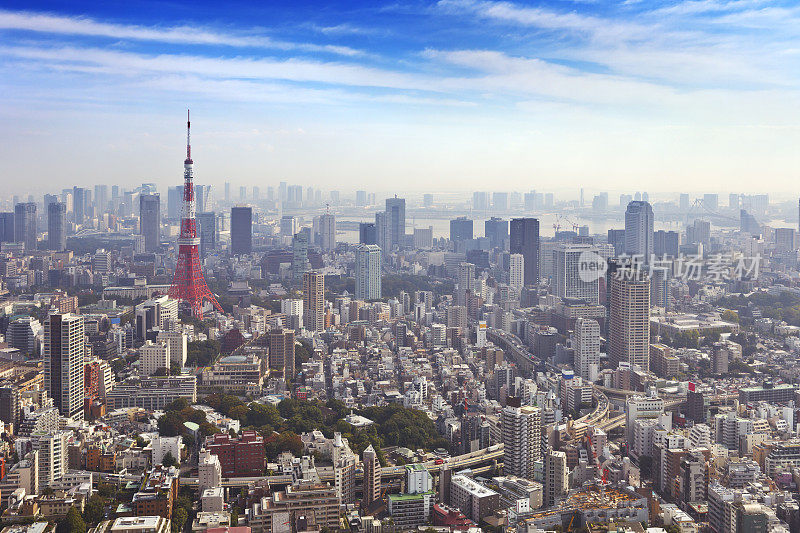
x=189, y=284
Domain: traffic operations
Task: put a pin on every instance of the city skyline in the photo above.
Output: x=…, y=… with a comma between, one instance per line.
x=437, y=95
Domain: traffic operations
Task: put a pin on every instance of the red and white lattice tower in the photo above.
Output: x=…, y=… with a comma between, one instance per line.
x=189, y=284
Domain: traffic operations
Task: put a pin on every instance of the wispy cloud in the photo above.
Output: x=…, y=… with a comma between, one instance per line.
x=344, y=29
x=84, y=26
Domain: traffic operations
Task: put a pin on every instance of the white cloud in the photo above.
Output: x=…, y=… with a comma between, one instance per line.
x=62, y=25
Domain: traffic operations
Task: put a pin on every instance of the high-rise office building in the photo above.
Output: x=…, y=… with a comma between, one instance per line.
x=521, y=435
x=367, y=233
x=281, y=351
x=56, y=226
x=150, y=220
x=100, y=199
x=461, y=229
x=6, y=227
x=567, y=279
x=361, y=198
x=616, y=238
x=25, y=230
x=381, y=236
x=241, y=230
x=480, y=201
x=500, y=202
x=64, y=342
x=300, y=264
x=79, y=206
x=629, y=336
x=174, y=202
x=202, y=196
x=699, y=232
x=466, y=277
x=586, y=343
x=666, y=243
x=314, y=301
x=368, y=272
x=288, y=225
x=556, y=477
x=525, y=240
x=395, y=221
x=327, y=232
x=496, y=230
x=207, y=231
x=785, y=239
x=639, y=229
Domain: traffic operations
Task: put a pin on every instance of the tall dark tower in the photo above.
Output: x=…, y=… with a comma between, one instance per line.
x=189, y=284
x=524, y=239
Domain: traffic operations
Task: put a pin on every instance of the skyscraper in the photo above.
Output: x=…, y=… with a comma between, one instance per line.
x=525, y=241
x=300, y=264
x=521, y=435
x=281, y=351
x=150, y=220
x=79, y=204
x=174, y=202
x=367, y=233
x=64, y=342
x=381, y=231
x=395, y=221
x=100, y=199
x=56, y=226
x=202, y=194
x=314, y=301
x=586, y=342
x=241, y=230
x=372, y=477
x=368, y=272
x=496, y=230
x=288, y=225
x=327, y=232
x=666, y=243
x=630, y=319
x=6, y=227
x=639, y=229
x=207, y=231
x=25, y=225
x=567, y=280
x=480, y=201
x=461, y=229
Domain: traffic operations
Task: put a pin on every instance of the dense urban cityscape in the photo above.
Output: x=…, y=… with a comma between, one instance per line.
x=298, y=359
x=432, y=266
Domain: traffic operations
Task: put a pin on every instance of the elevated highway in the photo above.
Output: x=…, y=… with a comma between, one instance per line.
x=476, y=461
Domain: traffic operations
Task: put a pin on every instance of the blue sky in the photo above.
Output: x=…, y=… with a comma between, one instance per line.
x=455, y=94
